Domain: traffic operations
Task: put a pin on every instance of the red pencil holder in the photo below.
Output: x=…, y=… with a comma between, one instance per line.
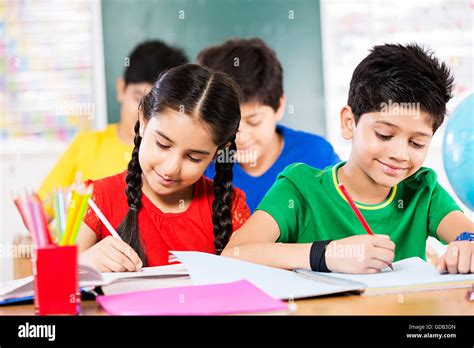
x=56, y=280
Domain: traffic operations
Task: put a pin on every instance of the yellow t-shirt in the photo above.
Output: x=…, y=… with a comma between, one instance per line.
x=94, y=154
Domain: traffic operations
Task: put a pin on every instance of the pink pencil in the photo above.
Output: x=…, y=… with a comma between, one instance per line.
x=24, y=212
x=358, y=214
x=44, y=221
x=37, y=223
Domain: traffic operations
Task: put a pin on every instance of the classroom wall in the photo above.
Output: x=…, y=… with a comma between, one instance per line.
x=349, y=30
x=18, y=171
x=291, y=28
x=51, y=86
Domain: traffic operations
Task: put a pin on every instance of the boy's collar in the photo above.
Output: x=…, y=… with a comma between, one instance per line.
x=385, y=203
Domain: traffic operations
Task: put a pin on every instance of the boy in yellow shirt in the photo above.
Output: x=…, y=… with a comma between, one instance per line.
x=97, y=154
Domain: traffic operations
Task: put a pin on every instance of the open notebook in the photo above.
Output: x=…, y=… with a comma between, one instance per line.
x=90, y=278
x=206, y=269
x=412, y=274
x=408, y=275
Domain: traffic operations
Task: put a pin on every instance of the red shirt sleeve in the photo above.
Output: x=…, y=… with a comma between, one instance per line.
x=240, y=209
x=91, y=219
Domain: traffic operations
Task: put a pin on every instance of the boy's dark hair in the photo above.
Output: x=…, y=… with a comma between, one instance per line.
x=252, y=64
x=205, y=95
x=149, y=59
x=401, y=74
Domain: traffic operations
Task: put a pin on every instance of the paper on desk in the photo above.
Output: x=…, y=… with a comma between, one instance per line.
x=168, y=270
x=16, y=284
x=412, y=272
x=142, y=284
x=212, y=269
x=230, y=298
x=90, y=277
x=146, y=278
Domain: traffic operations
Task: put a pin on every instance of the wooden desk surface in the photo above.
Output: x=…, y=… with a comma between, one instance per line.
x=445, y=302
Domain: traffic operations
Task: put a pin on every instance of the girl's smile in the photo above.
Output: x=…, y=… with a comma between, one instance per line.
x=174, y=152
x=164, y=180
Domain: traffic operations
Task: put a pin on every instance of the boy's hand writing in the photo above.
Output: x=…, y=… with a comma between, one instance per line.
x=360, y=254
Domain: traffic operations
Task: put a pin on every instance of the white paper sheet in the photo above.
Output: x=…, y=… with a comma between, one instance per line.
x=408, y=272
x=211, y=269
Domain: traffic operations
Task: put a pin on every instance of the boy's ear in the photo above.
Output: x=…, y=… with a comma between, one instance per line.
x=119, y=89
x=347, y=122
x=281, y=108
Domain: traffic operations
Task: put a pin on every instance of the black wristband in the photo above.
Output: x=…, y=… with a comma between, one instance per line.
x=317, y=258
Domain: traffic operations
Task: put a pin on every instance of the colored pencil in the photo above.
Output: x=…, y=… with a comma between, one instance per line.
x=25, y=216
x=45, y=228
x=102, y=218
x=80, y=216
x=62, y=210
x=358, y=214
x=35, y=218
x=56, y=214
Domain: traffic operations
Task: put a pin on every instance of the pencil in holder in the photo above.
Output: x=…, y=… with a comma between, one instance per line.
x=56, y=280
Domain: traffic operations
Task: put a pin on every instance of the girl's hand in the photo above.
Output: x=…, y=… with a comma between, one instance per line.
x=360, y=254
x=459, y=258
x=111, y=255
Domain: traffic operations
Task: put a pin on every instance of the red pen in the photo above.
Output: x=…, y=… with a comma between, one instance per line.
x=358, y=214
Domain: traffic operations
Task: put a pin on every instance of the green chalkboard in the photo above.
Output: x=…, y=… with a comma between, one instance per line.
x=291, y=28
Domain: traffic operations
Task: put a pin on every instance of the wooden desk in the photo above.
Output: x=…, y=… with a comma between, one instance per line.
x=446, y=302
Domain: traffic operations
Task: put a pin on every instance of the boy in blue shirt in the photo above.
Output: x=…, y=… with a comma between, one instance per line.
x=264, y=148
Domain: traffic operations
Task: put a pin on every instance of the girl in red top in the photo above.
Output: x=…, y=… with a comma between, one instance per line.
x=163, y=202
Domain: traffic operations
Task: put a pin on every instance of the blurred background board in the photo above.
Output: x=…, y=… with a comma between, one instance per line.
x=48, y=61
x=51, y=87
x=291, y=28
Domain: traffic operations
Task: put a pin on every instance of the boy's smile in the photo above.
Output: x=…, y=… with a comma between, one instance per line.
x=386, y=147
x=256, y=131
x=391, y=169
x=258, y=144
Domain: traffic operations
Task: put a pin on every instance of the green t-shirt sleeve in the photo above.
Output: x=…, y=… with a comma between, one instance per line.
x=285, y=204
x=441, y=205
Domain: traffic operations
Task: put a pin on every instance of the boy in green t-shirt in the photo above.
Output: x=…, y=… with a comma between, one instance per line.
x=397, y=100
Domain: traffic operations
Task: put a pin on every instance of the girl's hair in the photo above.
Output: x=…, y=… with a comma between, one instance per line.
x=208, y=96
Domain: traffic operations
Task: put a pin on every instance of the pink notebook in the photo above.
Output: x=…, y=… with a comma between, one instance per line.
x=229, y=298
